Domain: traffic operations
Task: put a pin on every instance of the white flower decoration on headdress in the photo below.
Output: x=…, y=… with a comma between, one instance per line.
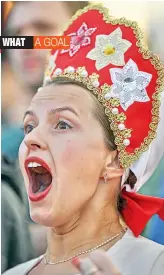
x=79, y=39
x=129, y=84
x=109, y=49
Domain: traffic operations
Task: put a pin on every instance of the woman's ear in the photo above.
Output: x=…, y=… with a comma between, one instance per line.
x=111, y=167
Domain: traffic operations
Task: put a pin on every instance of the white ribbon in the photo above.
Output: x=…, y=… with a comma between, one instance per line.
x=144, y=167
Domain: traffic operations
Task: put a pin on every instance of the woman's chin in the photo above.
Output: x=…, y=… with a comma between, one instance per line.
x=47, y=219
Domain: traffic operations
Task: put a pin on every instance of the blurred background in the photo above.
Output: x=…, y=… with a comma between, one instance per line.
x=22, y=73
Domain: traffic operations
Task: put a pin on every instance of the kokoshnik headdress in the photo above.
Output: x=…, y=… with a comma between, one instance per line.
x=108, y=56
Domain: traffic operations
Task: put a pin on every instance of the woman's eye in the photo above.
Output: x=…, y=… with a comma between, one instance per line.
x=28, y=128
x=62, y=125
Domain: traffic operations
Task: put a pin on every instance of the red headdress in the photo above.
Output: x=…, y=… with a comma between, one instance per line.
x=109, y=57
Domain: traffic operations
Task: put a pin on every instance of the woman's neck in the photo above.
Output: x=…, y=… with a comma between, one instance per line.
x=84, y=231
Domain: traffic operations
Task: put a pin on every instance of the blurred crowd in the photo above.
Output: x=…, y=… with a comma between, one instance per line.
x=22, y=74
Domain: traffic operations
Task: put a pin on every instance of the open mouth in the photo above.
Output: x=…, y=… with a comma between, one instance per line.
x=40, y=178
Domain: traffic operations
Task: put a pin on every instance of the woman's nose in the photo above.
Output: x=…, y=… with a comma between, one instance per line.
x=35, y=141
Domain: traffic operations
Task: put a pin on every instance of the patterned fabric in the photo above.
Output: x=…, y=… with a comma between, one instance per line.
x=79, y=39
x=109, y=49
x=129, y=84
x=108, y=56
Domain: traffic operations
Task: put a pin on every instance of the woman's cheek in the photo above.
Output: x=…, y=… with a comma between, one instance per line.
x=70, y=152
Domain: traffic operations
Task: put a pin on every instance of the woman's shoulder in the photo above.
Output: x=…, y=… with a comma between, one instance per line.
x=142, y=244
x=22, y=269
x=143, y=253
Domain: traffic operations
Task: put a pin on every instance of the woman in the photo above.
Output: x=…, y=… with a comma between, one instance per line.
x=85, y=132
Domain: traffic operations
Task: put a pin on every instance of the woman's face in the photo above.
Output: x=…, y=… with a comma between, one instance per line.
x=63, y=153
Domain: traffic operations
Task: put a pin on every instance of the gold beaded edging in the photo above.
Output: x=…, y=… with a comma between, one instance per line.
x=126, y=159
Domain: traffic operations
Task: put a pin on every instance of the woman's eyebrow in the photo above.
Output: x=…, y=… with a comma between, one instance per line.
x=62, y=109
x=51, y=112
x=28, y=112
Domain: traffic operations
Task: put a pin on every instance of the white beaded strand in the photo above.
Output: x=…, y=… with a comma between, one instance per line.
x=70, y=70
x=84, y=252
x=58, y=71
x=126, y=142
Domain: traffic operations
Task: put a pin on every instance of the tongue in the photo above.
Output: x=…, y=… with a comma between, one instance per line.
x=41, y=182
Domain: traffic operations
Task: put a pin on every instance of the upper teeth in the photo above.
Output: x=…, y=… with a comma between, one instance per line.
x=33, y=164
